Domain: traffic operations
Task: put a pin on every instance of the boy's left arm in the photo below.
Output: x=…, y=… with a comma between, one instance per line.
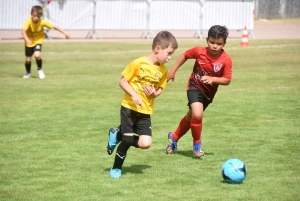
x=215, y=80
x=62, y=31
x=226, y=77
x=151, y=91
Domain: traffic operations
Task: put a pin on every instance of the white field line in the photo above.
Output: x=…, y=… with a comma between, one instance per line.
x=265, y=46
x=138, y=51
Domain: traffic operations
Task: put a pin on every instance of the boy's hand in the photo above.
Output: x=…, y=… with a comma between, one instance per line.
x=67, y=36
x=137, y=99
x=29, y=42
x=171, y=76
x=149, y=90
x=207, y=80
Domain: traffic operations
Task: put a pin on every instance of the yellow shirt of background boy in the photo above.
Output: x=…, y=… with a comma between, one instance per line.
x=139, y=73
x=35, y=32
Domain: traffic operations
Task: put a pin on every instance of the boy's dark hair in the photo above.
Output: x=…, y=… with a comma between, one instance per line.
x=164, y=39
x=218, y=31
x=37, y=9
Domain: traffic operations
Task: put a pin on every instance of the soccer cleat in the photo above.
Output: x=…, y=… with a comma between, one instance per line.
x=198, y=152
x=27, y=75
x=172, y=145
x=115, y=173
x=41, y=74
x=112, y=140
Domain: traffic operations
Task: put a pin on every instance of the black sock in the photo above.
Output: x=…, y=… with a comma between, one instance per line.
x=28, y=67
x=136, y=141
x=121, y=155
x=39, y=64
x=127, y=142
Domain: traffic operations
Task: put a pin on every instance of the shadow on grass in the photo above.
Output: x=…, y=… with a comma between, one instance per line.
x=189, y=153
x=135, y=169
x=227, y=183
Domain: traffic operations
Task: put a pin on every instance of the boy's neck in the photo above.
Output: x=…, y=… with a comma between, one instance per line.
x=152, y=60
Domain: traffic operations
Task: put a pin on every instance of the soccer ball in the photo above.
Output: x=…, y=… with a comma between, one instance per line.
x=234, y=171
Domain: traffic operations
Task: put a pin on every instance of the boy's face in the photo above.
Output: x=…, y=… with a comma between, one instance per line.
x=215, y=45
x=35, y=17
x=164, y=55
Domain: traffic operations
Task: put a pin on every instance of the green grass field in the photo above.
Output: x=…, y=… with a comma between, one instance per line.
x=53, y=132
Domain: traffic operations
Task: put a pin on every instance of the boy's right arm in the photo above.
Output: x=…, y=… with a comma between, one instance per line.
x=178, y=63
x=127, y=88
x=28, y=41
x=62, y=31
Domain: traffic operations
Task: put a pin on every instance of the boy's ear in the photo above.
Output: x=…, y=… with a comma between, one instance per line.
x=157, y=48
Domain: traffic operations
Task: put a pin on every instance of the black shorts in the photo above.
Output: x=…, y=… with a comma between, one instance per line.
x=135, y=122
x=197, y=96
x=30, y=50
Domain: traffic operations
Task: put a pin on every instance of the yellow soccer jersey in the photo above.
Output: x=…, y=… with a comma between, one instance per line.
x=35, y=32
x=139, y=73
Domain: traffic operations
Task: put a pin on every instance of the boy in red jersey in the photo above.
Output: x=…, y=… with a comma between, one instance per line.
x=212, y=68
x=33, y=33
x=142, y=80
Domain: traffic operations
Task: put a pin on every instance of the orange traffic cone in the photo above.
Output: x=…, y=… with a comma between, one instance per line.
x=244, y=42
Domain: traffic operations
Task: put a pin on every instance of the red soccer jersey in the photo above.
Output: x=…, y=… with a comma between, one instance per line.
x=207, y=65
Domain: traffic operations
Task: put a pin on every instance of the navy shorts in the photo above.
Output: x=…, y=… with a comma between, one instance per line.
x=135, y=122
x=30, y=50
x=197, y=96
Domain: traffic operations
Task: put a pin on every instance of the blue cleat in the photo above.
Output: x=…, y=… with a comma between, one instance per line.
x=198, y=152
x=172, y=145
x=112, y=140
x=115, y=173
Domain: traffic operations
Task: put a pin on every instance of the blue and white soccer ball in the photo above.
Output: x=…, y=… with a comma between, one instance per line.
x=234, y=171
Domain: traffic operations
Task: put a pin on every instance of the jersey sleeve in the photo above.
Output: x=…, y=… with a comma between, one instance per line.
x=193, y=52
x=228, y=68
x=26, y=25
x=47, y=24
x=129, y=71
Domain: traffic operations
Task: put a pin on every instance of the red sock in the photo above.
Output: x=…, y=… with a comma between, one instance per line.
x=196, y=128
x=182, y=128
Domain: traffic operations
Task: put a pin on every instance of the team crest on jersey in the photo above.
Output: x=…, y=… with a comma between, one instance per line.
x=217, y=67
x=158, y=75
x=39, y=28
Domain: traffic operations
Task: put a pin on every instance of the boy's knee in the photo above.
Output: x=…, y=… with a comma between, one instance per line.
x=144, y=145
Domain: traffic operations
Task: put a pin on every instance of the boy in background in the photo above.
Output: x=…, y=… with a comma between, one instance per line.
x=212, y=68
x=142, y=80
x=33, y=33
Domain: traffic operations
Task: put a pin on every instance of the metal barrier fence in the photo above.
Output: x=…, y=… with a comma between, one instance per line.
x=145, y=15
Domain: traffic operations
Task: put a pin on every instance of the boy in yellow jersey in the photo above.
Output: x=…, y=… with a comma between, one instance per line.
x=142, y=81
x=33, y=33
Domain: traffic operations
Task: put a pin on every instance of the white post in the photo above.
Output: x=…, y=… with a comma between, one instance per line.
x=93, y=32
x=282, y=8
x=256, y=7
x=200, y=29
x=147, y=32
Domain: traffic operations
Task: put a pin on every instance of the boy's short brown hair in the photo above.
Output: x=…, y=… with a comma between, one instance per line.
x=37, y=9
x=164, y=39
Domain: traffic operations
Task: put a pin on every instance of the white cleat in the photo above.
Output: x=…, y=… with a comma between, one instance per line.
x=27, y=75
x=41, y=74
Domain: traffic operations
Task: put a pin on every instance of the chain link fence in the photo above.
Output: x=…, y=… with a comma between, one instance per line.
x=271, y=9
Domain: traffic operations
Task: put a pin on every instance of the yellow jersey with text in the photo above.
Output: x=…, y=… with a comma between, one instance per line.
x=141, y=72
x=35, y=31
